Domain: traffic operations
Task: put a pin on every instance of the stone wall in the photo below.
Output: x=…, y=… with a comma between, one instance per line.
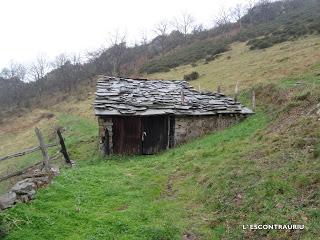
x=190, y=127
x=105, y=123
x=185, y=129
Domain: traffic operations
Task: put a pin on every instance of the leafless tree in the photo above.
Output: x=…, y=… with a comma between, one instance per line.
x=39, y=68
x=90, y=56
x=144, y=38
x=222, y=21
x=237, y=13
x=14, y=70
x=197, y=28
x=60, y=60
x=75, y=58
x=223, y=17
x=117, y=49
x=184, y=23
x=161, y=29
x=249, y=10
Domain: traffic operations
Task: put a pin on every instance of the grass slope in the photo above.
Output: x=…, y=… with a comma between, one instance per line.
x=264, y=170
x=205, y=189
x=252, y=67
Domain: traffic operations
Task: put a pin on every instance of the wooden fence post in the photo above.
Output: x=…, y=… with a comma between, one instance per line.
x=253, y=100
x=219, y=89
x=236, y=91
x=43, y=150
x=63, y=148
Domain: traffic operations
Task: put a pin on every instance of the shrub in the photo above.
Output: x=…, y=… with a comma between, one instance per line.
x=259, y=44
x=191, y=76
x=185, y=55
x=212, y=57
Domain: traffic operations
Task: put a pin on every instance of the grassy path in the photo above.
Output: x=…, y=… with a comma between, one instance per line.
x=157, y=197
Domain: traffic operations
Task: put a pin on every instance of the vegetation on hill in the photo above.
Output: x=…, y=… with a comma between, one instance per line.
x=184, y=55
x=262, y=24
x=263, y=171
x=251, y=67
x=206, y=189
x=294, y=19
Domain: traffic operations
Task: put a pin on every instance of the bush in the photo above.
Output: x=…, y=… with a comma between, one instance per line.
x=185, y=55
x=191, y=76
x=259, y=44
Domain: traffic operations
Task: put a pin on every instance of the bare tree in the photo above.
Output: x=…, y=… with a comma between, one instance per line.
x=161, y=29
x=117, y=50
x=76, y=59
x=91, y=56
x=197, y=28
x=265, y=6
x=184, y=23
x=222, y=21
x=250, y=8
x=14, y=70
x=39, y=68
x=237, y=13
x=60, y=60
x=144, y=38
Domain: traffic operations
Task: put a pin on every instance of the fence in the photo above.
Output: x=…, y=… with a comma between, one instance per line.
x=43, y=147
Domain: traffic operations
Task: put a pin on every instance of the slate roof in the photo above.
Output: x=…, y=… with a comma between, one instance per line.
x=120, y=96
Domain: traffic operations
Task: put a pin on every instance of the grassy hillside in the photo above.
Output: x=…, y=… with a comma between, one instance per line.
x=207, y=188
x=264, y=170
x=252, y=67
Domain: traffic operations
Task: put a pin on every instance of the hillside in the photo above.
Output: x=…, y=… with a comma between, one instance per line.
x=207, y=188
x=260, y=25
x=264, y=170
x=248, y=68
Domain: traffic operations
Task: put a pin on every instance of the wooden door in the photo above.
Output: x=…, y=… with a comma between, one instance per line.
x=155, y=134
x=127, y=135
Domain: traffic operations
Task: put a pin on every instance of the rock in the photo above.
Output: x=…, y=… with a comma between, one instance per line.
x=24, y=187
x=7, y=200
x=23, y=198
x=32, y=194
x=41, y=181
x=189, y=236
x=54, y=171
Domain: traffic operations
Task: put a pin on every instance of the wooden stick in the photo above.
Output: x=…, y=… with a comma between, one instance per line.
x=236, y=90
x=18, y=173
x=63, y=148
x=26, y=151
x=219, y=89
x=55, y=156
x=43, y=149
x=253, y=100
x=51, y=145
x=18, y=154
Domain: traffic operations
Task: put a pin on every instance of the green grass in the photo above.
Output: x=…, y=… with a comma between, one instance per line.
x=248, y=68
x=264, y=170
x=127, y=198
x=208, y=187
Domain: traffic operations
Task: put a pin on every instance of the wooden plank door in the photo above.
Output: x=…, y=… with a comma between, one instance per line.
x=155, y=134
x=127, y=135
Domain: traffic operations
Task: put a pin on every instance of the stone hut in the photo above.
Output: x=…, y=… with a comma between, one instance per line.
x=138, y=116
